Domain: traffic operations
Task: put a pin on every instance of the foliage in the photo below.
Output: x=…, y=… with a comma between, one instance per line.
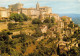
x=75, y=25
x=36, y=21
x=38, y=33
x=42, y=51
x=73, y=51
x=25, y=17
x=50, y=25
x=66, y=38
x=11, y=26
x=16, y=17
x=71, y=24
x=47, y=20
x=2, y=20
x=52, y=19
x=14, y=26
x=64, y=19
x=76, y=34
x=58, y=50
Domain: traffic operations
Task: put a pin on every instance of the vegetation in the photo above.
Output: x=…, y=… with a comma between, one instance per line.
x=32, y=42
x=38, y=33
x=36, y=21
x=14, y=26
x=71, y=24
x=18, y=17
x=47, y=20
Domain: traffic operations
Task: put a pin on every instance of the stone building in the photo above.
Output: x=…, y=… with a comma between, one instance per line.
x=31, y=12
x=66, y=19
x=15, y=7
x=43, y=28
x=4, y=13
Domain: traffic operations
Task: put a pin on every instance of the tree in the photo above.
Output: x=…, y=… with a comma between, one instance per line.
x=75, y=25
x=25, y=17
x=52, y=19
x=50, y=25
x=11, y=26
x=38, y=33
x=47, y=20
x=16, y=17
x=4, y=36
x=71, y=24
x=58, y=50
x=36, y=21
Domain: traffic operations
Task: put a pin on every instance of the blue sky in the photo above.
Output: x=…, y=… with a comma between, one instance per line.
x=58, y=6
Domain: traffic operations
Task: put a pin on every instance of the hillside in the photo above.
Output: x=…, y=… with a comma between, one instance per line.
x=52, y=36
x=75, y=17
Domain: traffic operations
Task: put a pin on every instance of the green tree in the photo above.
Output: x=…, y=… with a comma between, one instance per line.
x=47, y=20
x=71, y=24
x=52, y=19
x=16, y=17
x=58, y=50
x=36, y=21
x=38, y=33
x=50, y=25
x=25, y=17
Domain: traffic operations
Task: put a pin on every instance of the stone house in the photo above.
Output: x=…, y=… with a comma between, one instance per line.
x=4, y=13
x=66, y=19
x=60, y=24
x=31, y=12
x=43, y=28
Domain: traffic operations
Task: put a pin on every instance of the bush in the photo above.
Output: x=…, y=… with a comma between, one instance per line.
x=70, y=25
x=38, y=33
x=4, y=36
x=2, y=20
x=11, y=26
x=50, y=25
x=16, y=17
x=75, y=25
x=36, y=21
x=52, y=19
x=25, y=17
x=47, y=20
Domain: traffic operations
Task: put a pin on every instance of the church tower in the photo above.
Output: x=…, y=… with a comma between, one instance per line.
x=37, y=6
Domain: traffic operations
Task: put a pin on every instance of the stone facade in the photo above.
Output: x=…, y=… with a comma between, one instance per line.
x=15, y=7
x=4, y=13
x=43, y=28
x=38, y=12
x=31, y=12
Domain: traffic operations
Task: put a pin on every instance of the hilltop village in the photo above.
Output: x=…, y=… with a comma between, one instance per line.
x=37, y=32
x=31, y=12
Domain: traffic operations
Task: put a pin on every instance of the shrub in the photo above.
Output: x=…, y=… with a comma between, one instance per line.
x=36, y=21
x=16, y=17
x=38, y=33
x=25, y=17
x=52, y=19
x=47, y=20
x=70, y=25
x=11, y=26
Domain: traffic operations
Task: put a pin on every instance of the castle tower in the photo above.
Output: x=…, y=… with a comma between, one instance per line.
x=37, y=6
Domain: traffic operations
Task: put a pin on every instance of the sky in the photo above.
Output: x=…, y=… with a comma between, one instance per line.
x=58, y=6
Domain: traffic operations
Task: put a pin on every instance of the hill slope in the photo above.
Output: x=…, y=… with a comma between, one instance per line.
x=75, y=17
